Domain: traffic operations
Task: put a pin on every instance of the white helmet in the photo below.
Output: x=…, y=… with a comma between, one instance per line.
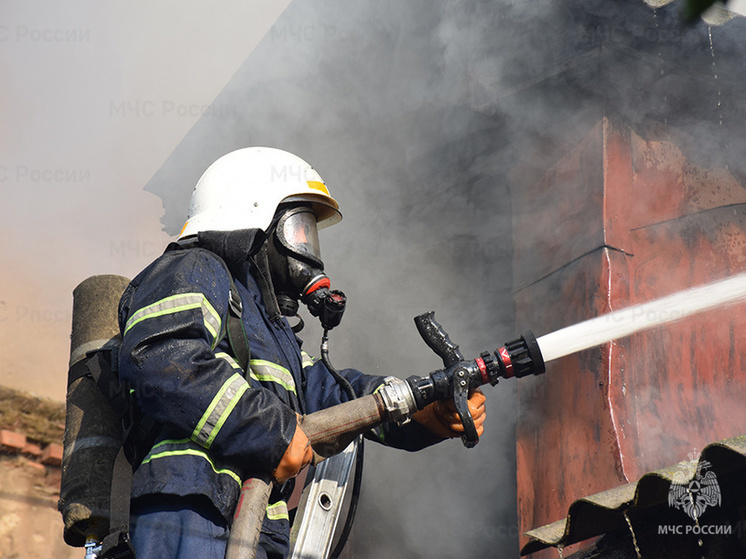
x=242, y=190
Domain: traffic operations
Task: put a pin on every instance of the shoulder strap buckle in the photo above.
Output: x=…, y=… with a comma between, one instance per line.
x=234, y=300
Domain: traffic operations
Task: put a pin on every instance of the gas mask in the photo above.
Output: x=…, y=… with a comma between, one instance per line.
x=297, y=269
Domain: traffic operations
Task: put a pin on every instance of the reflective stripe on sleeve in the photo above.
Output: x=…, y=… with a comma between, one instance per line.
x=219, y=409
x=178, y=303
x=154, y=454
x=270, y=372
x=278, y=511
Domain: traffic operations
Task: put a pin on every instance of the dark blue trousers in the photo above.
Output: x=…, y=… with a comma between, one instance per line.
x=168, y=528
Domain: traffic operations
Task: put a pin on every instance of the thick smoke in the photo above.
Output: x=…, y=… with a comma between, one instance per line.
x=419, y=116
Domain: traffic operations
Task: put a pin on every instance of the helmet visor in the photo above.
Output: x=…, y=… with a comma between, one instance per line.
x=298, y=233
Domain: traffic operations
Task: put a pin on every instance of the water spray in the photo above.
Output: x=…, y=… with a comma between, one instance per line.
x=624, y=322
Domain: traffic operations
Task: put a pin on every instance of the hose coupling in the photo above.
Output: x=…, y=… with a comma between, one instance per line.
x=398, y=400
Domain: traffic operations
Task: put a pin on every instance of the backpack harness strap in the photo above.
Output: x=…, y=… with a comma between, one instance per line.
x=237, y=336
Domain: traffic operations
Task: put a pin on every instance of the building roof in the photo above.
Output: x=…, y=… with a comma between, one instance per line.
x=610, y=510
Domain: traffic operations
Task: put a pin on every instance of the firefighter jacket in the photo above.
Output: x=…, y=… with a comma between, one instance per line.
x=217, y=424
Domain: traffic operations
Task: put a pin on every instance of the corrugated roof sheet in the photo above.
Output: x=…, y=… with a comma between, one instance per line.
x=605, y=512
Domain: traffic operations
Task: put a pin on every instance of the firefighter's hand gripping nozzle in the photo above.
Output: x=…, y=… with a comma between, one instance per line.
x=517, y=358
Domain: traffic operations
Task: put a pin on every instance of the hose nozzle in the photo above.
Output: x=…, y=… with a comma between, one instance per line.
x=519, y=358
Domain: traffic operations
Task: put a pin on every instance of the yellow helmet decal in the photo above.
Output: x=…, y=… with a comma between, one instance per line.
x=318, y=185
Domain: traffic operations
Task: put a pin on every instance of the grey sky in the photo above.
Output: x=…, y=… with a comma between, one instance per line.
x=94, y=98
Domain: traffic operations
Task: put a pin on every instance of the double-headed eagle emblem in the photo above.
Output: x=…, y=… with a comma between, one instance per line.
x=694, y=496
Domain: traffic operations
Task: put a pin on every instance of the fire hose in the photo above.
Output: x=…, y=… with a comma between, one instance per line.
x=331, y=430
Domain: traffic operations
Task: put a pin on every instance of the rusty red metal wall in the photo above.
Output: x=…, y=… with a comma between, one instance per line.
x=621, y=218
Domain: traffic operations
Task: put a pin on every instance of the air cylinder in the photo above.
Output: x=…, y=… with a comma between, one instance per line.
x=93, y=432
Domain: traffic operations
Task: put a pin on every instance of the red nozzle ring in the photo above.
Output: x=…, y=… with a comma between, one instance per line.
x=483, y=370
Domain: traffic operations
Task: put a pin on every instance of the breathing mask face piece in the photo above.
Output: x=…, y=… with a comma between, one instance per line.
x=294, y=258
x=297, y=233
x=297, y=269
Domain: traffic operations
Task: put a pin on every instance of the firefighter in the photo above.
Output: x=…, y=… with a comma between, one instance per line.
x=202, y=423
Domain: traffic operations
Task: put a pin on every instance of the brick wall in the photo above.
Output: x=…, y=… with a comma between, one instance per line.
x=30, y=459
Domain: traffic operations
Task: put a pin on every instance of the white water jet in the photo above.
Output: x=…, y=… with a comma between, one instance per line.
x=630, y=320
